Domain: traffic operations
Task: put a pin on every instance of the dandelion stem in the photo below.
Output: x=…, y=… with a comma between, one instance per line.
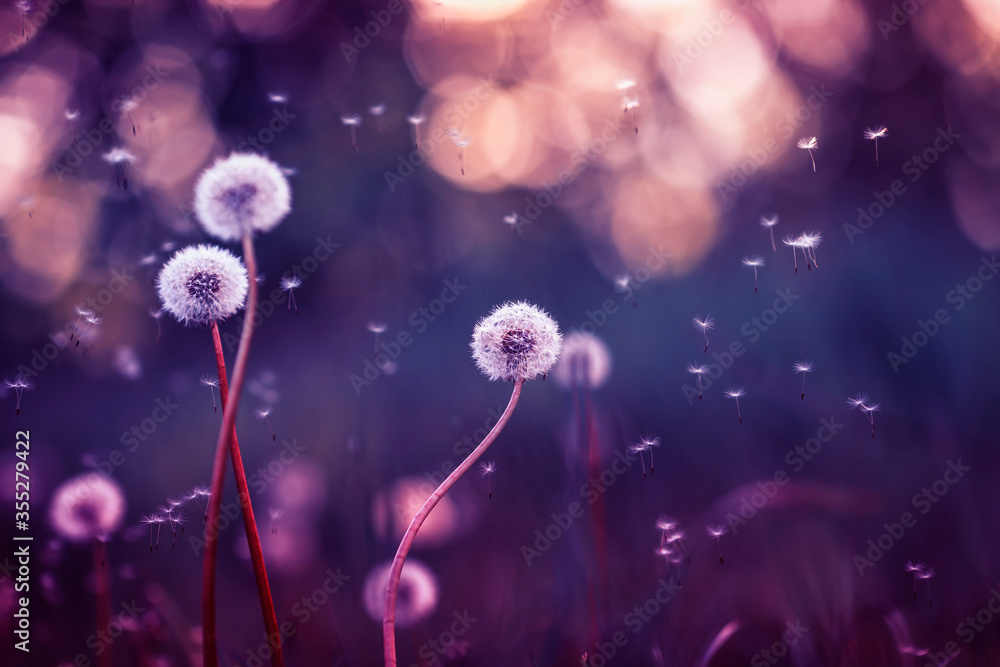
x=102, y=585
x=227, y=441
x=389, y=620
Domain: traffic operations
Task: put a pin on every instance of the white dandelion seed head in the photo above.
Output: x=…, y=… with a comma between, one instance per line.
x=23, y=6
x=584, y=361
x=631, y=103
x=377, y=327
x=209, y=380
x=20, y=382
x=647, y=442
x=201, y=284
x=706, y=324
x=753, y=261
x=768, y=220
x=735, y=392
x=697, y=370
x=807, y=143
x=264, y=413
x=461, y=142
x=806, y=366
x=666, y=523
x=517, y=341
x=876, y=133
x=119, y=156
x=909, y=566
x=625, y=84
x=416, y=120
x=278, y=97
x=87, y=507
x=809, y=240
x=416, y=597
x=487, y=468
x=676, y=536
x=377, y=109
x=128, y=104
x=71, y=114
x=351, y=121
x=511, y=219
x=290, y=283
x=241, y=194
x=926, y=573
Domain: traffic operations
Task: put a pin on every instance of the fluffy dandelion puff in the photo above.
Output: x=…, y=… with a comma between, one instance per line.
x=517, y=341
x=203, y=284
x=241, y=194
x=584, y=362
x=809, y=144
x=87, y=507
x=874, y=135
x=417, y=597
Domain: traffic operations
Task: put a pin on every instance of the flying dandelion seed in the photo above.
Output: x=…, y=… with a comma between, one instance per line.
x=265, y=414
x=278, y=97
x=716, y=532
x=704, y=326
x=290, y=284
x=916, y=569
x=863, y=403
x=809, y=242
x=631, y=104
x=275, y=513
x=927, y=574
x=416, y=121
x=768, y=223
x=755, y=263
x=19, y=384
x=874, y=135
x=809, y=144
x=353, y=122
x=512, y=220
x=81, y=313
x=378, y=111
x=126, y=106
x=793, y=243
x=377, y=328
x=460, y=143
x=212, y=382
x=487, y=470
x=90, y=320
x=23, y=8
x=645, y=444
x=736, y=393
x=803, y=367
x=698, y=371
x=120, y=159
x=622, y=284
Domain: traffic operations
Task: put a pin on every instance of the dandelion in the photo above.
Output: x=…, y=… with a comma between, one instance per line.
x=290, y=284
x=874, y=135
x=487, y=470
x=203, y=284
x=128, y=104
x=90, y=320
x=416, y=122
x=916, y=569
x=698, y=371
x=808, y=243
x=378, y=110
x=768, y=222
x=716, y=532
x=736, y=393
x=265, y=414
x=631, y=104
x=353, y=122
x=704, y=326
x=803, y=367
x=927, y=574
x=754, y=262
x=460, y=143
x=809, y=144
x=88, y=507
x=516, y=342
x=863, y=403
x=584, y=362
x=377, y=328
x=120, y=159
x=645, y=444
x=81, y=313
x=241, y=194
x=212, y=382
x=153, y=520
x=19, y=384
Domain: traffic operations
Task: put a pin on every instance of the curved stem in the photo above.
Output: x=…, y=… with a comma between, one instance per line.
x=227, y=441
x=389, y=620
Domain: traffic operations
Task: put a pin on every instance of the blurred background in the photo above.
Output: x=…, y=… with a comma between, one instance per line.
x=618, y=157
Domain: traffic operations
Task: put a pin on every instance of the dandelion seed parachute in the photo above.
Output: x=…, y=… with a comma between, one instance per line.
x=241, y=194
x=201, y=284
x=517, y=341
x=87, y=507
